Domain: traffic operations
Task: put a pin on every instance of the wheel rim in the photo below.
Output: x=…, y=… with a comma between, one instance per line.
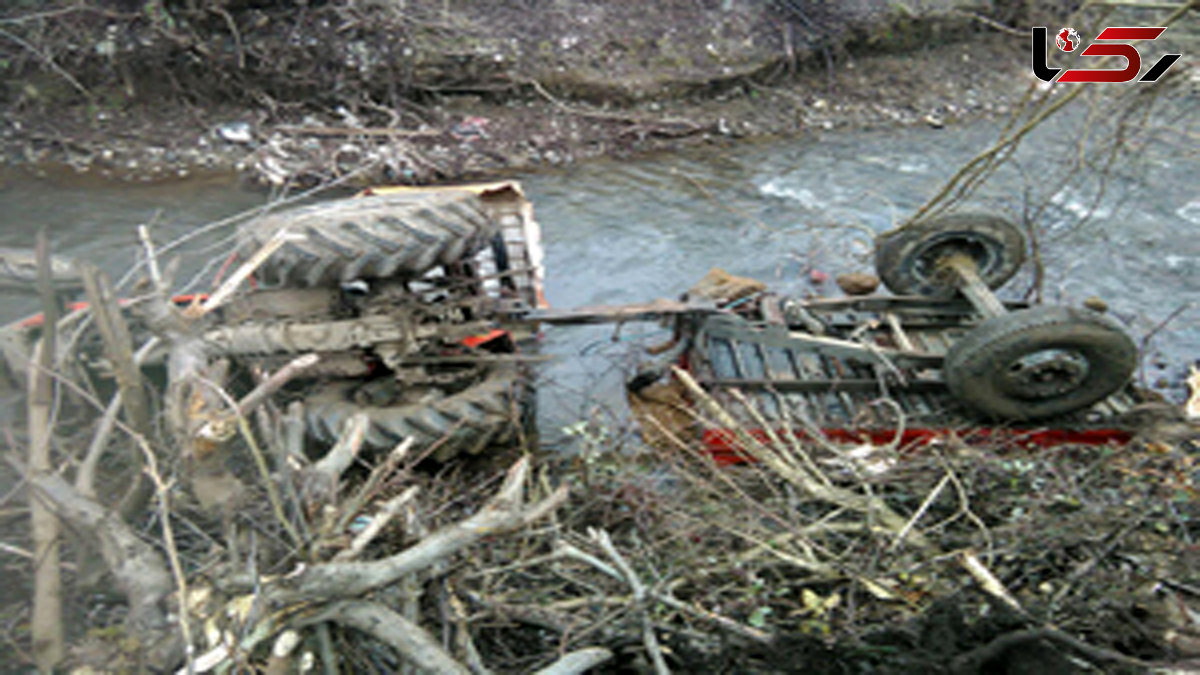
x=927, y=262
x=1046, y=373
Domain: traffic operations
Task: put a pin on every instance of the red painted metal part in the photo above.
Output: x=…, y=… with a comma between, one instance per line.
x=483, y=338
x=723, y=446
x=37, y=320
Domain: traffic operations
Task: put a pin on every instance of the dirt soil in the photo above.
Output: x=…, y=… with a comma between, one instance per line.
x=429, y=96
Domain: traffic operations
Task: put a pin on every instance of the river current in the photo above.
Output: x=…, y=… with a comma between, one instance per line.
x=784, y=211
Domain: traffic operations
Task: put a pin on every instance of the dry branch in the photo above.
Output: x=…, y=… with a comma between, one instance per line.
x=804, y=478
x=653, y=649
x=243, y=272
x=406, y=637
x=118, y=346
x=505, y=512
x=578, y=661
x=138, y=568
x=379, y=474
x=319, y=482
x=222, y=427
x=48, y=645
x=388, y=511
x=272, y=384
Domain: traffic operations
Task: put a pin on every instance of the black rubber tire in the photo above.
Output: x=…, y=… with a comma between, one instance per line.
x=905, y=258
x=485, y=414
x=994, y=369
x=377, y=237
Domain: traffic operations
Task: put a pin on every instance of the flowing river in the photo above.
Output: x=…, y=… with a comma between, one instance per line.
x=633, y=230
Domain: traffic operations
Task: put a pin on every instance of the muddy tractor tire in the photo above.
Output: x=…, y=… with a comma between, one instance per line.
x=1039, y=362
x=907, y=259
x=377, y=237
x=484, y=414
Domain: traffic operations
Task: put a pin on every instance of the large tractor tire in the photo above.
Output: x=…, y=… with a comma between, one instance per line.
x=483, y=414
x=376, y=237
x=1039, y=362
x=908, y=259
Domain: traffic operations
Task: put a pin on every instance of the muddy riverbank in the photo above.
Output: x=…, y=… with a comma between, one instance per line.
x=423, y=95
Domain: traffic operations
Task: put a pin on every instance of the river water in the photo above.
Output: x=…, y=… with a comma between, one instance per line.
x=633, y=230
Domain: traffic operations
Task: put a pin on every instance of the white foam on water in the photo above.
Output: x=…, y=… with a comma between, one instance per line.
x=778, y=187
x=913, y=164
x=1079, y=205
x=1190, y=211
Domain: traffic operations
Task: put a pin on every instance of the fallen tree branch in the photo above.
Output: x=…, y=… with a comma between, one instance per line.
x=505, y=512
x=275, y=381
x=970, y=662
x=50, y=63
x=319, y=482
x=85, y=477
x=118, y=347
x=46, y=624
x=653, y=648
x=222, y=427
x=356, y=131
x=138, y=568
x=412, y=641
x=687, y=124
x=578, y=661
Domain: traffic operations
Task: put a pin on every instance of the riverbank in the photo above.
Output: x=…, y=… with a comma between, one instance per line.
x=544, y=89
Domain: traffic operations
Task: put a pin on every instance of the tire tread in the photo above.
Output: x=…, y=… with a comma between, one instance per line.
x=369, y=237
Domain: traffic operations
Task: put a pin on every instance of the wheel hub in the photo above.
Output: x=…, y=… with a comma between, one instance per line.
x=928, y=263
x=1046, y=373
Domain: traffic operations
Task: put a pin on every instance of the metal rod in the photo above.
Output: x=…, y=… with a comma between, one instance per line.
x=971, y=285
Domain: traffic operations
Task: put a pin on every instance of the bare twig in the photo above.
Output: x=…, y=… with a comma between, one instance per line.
x=970, y=661
x=653, y=649
x=800, y=476
x=162, y=491
x=379, y=474
x=1158, y=327
x=243, y=272
x=989, y=583
x=705, y=615
x=384, y=516
x=356, y=131
x=618, y=117
x=929, y=500
x=156, y=277
x=50, y=63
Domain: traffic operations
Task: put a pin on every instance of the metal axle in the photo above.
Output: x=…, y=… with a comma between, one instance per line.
x=966, y=273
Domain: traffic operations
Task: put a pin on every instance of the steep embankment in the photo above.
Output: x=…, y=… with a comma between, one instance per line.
x=424, y=90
